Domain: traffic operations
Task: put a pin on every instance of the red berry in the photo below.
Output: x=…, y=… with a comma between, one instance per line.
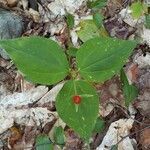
x=76, y=99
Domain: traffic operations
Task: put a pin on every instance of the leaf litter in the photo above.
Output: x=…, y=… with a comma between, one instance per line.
x=31, y=107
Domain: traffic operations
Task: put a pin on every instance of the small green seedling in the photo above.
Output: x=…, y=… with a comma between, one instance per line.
x=43, y=142
x=43, y=61
x=130, y=92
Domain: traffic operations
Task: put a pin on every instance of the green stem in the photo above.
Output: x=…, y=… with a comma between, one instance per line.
x=75, y=89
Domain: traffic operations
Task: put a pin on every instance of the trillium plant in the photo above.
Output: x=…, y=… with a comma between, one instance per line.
x=43, y=61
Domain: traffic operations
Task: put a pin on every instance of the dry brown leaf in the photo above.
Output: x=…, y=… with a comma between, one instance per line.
x=143, y=103
x=12, y=3
x=15, y=136
x=73, y=142
x=35, y=15
x=110, y=92
x=145, y=139
x=132, y=73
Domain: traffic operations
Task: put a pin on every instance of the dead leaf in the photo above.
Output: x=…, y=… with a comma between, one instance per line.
x=117, y=28
x=116, y=131
x=142, y=61
x=29, y=117
x=12, y=3
x=51, y=95
x=16, y=135
x=35, y=15
x=72, y=141
x=110, y=92
x=28, y=138
x=24, y=98
x=145, y=139
x=58, y=7
x=143, y=103
x=146, y=35
x=132, y=73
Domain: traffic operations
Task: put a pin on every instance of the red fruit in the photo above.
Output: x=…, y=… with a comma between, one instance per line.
x=76, y=99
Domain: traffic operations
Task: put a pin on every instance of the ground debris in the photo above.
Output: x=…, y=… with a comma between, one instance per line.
x=110, y=93
x=115, y=133
x=27, y=110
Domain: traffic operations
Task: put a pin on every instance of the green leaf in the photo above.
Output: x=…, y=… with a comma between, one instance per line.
x=147, y=22
x=81, y=117
x=43, y=143
x=70, y=20
x=88, y=30
x=138, y=9
x=59, y=136
x=99, y=126
x=41, y=60
x=97, y=4
x=114, y=147
x=72, y=51
x=103, y=32
x=100, y=58
x=98, y=19
x=130, y=91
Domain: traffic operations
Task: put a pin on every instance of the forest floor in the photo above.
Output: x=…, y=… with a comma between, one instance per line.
x=28, y=110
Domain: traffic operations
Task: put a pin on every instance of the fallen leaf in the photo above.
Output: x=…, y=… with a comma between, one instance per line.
x=132, y=73
x=58, y=7
x=146, y=36
x=72, y=141
x=12, y=3
x=142, y=61
x=15, y=136
x=24, y=98
x=143, y=103
x=35, y=15
x=51, y=95
x=116, y=131
x=29, y=117
x=145, y=139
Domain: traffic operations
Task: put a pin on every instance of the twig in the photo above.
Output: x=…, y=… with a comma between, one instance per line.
x=125, y=110
x=131, y=134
